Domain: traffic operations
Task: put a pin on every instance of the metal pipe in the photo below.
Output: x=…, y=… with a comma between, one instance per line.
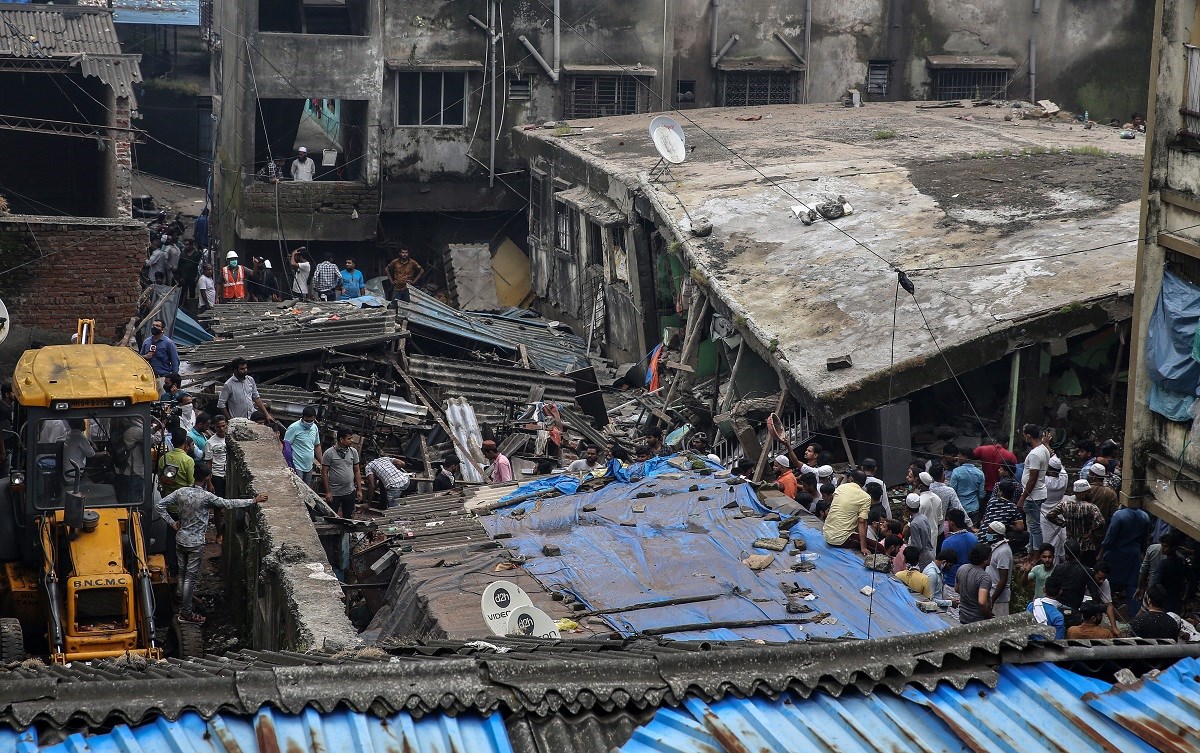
x=714, y=18
x=733, y=39
x=791, y=49
x=1013, y=378
x=557, y=56
x=537, y=58
x=475, y=20
x=1037, y=6
x=1032, y=70
x=495, y=76
x=807, y=43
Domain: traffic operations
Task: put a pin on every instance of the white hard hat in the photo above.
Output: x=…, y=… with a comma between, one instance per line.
x=231, y=255
x=267, y=263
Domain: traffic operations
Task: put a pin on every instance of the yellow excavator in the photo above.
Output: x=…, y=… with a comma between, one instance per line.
x=82, y=571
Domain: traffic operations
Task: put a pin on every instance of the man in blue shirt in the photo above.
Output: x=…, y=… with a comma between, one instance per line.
x=305, y=440
x=1047, y=611
x=959, y=540
x=161, y=352
x=353, y=284
x=966, y=480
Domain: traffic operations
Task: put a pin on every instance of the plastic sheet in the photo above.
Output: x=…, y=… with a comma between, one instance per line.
x=688, y=545
x=1170, y=338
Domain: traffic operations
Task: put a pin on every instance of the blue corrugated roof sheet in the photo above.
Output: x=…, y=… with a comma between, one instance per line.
x=309, y=732
x=1165, y=709
x=1033, y=708
x=689, y=543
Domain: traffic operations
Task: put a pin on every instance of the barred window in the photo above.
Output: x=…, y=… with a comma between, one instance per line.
x=879, y=77
x=600, y=96
x=743, y=88
x=537, y=187
x=969, y=83
x=431, y=99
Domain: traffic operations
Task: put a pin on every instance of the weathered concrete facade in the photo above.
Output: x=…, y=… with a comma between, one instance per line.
x=614, y=58
x=1162, y=461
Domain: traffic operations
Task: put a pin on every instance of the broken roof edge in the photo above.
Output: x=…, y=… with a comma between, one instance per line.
x=905, y=377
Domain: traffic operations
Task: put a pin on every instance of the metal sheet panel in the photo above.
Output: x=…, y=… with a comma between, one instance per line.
x=310, y=731
x=1033, y=707
x=57, y=31
x=1164, y=710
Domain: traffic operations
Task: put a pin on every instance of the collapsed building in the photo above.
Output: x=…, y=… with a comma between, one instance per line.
x=979, y=277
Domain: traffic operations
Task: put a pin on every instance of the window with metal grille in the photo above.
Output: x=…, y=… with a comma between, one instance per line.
x=743, y=88
x=564, y=239
x=879, y=77
x=1191, y=101
x=537, y=185
x=969, y=83
x=431, y=99
x=599, y=96
x=520, y=89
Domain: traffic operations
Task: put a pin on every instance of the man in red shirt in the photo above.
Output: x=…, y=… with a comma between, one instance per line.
x=992, y=454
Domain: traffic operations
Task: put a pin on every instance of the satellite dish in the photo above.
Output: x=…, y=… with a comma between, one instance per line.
x=530, y=622
x=5, y=324
x=668, y=139
x=498, y=602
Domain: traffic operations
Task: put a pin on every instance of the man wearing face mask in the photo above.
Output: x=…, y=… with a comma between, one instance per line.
x=161, y=352
x=233, y=279
x=305, y=440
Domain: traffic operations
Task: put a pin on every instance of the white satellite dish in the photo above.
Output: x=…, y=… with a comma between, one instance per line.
x=668, y=139
x=530, y=622
x=5, y=322
x=498, y=602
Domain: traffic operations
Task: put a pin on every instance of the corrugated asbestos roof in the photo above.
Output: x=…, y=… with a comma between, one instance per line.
x=308, y=732
x=120, y=72
x=1032, y=708
x=518, y=676
x=57, y=31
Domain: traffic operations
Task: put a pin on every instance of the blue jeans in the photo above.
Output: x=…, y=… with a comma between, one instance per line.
x=1033, y=522
x=393, y=497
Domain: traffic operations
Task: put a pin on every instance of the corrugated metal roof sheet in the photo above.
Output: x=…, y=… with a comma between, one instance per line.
x=308, y=732
x=120, y=72
x=490, y=388
x=1164, y=710
x=57, y=31
x=1032, y=708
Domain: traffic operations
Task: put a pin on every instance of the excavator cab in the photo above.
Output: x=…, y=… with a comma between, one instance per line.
x=82, y=574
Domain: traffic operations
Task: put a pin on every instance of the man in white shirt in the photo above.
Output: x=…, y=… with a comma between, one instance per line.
x=207, y=288
x=301, y=269
x=1033, y=484
x=588, y=463
x=302, y=167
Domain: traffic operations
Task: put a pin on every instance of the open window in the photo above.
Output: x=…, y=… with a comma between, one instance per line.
x=431, y=99
x=332, y=130
x=348, y=17
x=879, y=78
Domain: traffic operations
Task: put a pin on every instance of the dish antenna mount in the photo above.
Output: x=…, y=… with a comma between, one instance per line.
x=669, y=141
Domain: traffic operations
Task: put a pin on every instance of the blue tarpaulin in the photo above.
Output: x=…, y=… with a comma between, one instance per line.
x=1171, y=335
x=690, y=543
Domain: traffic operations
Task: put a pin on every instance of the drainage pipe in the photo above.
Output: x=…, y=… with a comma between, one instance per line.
x=1033, y=70
x=537, y=58
x=807, y=43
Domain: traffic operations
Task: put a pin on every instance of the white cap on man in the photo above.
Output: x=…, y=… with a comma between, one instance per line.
x=303, y=150
x=267, y=263
x=1080, y=486
x=783, y=461
x=913, y=501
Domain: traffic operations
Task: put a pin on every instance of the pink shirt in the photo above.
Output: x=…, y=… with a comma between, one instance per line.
x=501, y=470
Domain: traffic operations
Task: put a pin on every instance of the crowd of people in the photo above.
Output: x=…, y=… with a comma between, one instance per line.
x=970, y=525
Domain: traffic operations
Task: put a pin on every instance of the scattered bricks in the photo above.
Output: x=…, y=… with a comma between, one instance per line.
x=694, y=488
x=866, y=591
x=774, y=545
x=799, y=545
x=927, y=606
x=639, y=508
x=797, y=606
x=758, y=562
x=551, y=550
x=703, y=498
x=771, y=516
x=643, y=495
x=731, y=505
x=588, y=508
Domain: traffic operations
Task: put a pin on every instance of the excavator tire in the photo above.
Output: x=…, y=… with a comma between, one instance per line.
x=189, y=639
x=12, y=641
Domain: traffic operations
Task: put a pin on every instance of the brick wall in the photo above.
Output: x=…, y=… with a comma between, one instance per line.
x=313, y=197
x=123, y=169
x=77, y=268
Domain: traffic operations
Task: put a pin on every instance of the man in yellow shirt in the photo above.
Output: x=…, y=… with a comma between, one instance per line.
x=846, y=523
x=912, y=576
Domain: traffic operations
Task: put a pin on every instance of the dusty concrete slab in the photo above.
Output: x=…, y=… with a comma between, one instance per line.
x=278, y=570
x=991, y=219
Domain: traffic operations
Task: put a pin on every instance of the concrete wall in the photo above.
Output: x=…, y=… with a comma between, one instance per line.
x=1154, y=446
x=73, y=268
x=272, y=554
